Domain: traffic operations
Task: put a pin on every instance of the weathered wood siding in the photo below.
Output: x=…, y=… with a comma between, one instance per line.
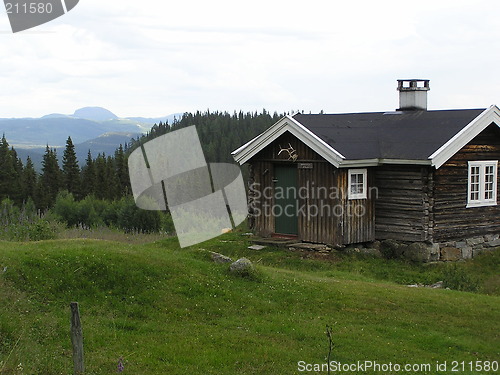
x=325, y=213
x=452, y=220
x=260, y=176
x=359, y=214
x=404, y=203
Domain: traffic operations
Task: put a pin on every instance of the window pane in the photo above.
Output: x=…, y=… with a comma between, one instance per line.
x=357, y=183
x=474, y=183
x=488, y=182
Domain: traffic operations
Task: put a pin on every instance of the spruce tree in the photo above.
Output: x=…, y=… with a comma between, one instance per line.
x=29, y=181
x=88, y=176
x=101, y=174
x=8, y=175
x=16, y=183
x=50, y=179
x=122, y=171
x=71, y=170
x=113, y=190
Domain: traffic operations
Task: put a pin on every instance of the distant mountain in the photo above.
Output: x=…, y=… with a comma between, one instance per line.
x=84, y=124
x=94, y=128
x=98, y=114
x=55, y=115
x=55, y=131
x=95, y=114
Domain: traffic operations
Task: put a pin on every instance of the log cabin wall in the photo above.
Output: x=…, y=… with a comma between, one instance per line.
x=325, y=213
x=403, y=209
x=452, y=220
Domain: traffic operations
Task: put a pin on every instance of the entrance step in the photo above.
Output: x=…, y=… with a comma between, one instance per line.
x=274, y=241
x=309, y=246
x=290, y=243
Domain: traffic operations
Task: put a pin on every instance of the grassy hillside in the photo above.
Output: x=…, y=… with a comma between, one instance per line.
x=170, y=311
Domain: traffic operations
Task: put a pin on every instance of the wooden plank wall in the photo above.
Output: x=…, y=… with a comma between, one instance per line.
x=359, y=213
x=403, y=204
x=261, y=174
x=452, y=220
x=325, y=214
x=318, y=221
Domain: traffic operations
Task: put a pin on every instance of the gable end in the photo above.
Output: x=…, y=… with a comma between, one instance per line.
x=455, y=144
x=287, y=123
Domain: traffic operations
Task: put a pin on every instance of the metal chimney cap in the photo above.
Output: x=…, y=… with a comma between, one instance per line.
x=413, y=85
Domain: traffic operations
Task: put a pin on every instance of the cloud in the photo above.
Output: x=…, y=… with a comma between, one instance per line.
x=154, y=58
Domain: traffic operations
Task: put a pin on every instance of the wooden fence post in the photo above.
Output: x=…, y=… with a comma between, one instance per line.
x=77, y=339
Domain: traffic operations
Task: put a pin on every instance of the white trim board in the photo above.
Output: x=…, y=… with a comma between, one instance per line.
x=287, y=123
x=464, y=136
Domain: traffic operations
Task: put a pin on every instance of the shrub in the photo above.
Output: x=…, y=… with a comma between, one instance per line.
x=25, y=223
x=123, y=214
x=456, y=277
x=66, y=209
x=131, y=218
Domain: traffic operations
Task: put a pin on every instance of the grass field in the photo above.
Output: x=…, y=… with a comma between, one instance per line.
x=166, y=310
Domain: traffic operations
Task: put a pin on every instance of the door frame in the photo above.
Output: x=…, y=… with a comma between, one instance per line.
x=295, y=220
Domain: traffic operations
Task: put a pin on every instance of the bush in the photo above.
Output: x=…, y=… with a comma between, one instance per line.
x=66, y=209
x=131, y=218
x=25, y=223
x=457, y=278
x=123, y=214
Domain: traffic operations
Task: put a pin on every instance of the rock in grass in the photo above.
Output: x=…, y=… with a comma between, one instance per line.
x=219, y=258
x=242, y=266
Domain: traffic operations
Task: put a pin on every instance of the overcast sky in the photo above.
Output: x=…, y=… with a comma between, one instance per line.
x=156, y=57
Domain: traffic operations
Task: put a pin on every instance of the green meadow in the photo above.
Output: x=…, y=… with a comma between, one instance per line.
x=160, y=309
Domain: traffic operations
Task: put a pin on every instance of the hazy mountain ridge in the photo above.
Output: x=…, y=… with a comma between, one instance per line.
x=84, y=124
x=90, y=128
x=105, y=144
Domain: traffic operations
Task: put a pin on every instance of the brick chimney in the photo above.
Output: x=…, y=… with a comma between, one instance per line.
x=413, y=94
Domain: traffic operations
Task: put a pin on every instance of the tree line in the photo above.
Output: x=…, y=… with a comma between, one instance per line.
x=105, y=177
x=220, y=132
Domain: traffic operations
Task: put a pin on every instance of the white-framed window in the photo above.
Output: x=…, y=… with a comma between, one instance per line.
x=482, y=185
x=357, y=183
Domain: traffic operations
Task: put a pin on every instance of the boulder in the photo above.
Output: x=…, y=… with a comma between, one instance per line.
x=437, y=285
x=421, y=252
x=392, y=249
x=241, y=266
x=219, y=258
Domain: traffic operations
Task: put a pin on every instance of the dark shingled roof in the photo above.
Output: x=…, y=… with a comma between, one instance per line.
x=413, y=135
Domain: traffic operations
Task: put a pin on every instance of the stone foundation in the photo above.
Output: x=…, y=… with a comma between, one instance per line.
x=445, y=251
x=468, y=248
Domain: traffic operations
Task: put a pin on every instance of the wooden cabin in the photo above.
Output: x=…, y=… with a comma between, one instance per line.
x=410, y=174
